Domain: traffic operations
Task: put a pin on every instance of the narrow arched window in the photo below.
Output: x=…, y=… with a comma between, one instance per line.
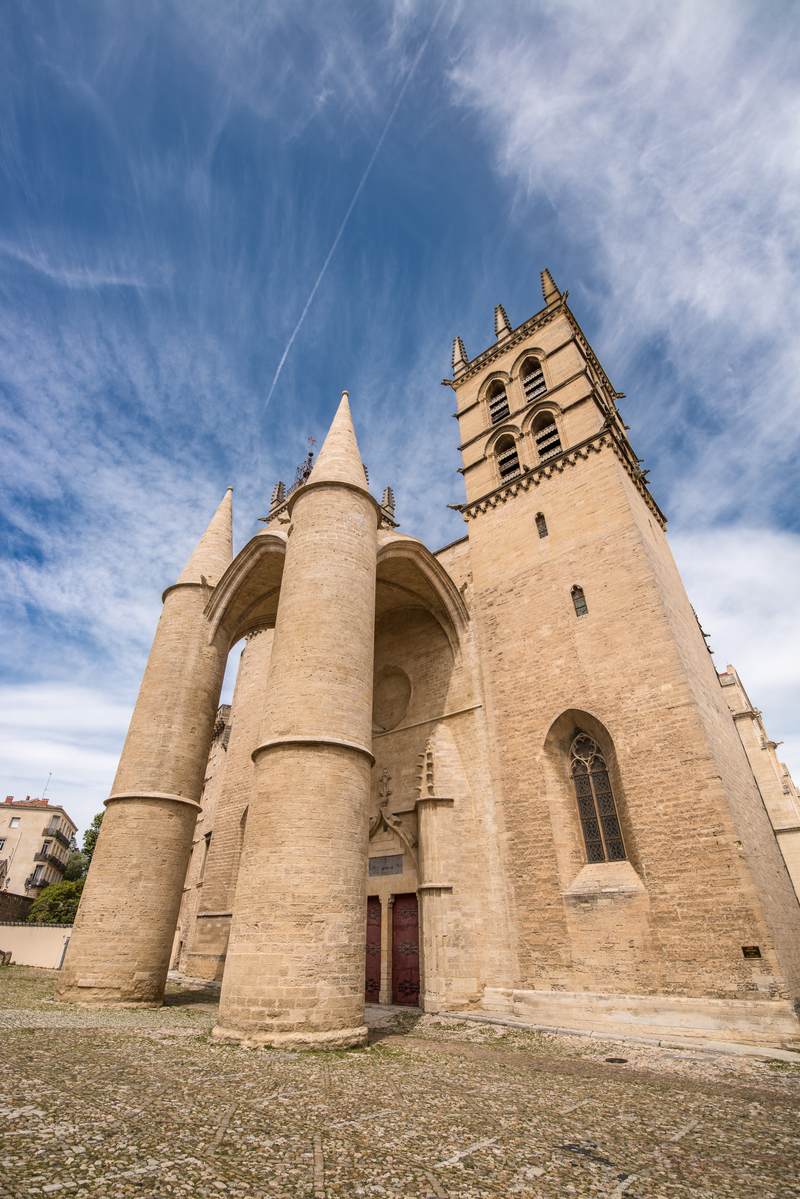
x=498, y=402
x=541, y=524
x=507, y=457
x=596, y=806
x=579, y=600
x=545, y=434
x=532, y=376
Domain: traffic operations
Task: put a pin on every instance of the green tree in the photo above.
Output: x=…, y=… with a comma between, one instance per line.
x=77, y=865
x=57, y=904
x=90, y=838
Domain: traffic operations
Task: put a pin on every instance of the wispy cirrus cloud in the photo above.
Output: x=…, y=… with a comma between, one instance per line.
x=173, y=176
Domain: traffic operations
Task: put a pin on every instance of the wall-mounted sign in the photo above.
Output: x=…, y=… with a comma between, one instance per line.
x=390, y=863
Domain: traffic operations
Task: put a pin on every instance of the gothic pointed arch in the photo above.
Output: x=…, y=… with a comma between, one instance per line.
x=586, y=789
x=247, y=593
x=409, y=575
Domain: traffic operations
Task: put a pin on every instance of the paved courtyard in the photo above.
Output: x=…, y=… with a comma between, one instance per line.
x=142, y=1103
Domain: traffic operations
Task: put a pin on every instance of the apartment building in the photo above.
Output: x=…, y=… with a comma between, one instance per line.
x=35, y=841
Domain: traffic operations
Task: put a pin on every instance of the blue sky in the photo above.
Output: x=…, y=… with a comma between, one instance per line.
x=173, y=178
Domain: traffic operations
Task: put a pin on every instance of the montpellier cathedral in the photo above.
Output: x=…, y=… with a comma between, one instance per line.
x=501, y=778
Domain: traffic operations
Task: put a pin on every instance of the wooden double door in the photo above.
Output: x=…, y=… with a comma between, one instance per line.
x=404, y=950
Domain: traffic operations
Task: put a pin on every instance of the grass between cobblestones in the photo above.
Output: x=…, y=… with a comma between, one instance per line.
x=119, y=1103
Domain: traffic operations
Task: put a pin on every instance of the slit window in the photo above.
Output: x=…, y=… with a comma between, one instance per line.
x=507, y=457
x=545, y=434
x=579, y=600
x=597, y=807
x=498, y=403
x=541, y=524
x=533, y=383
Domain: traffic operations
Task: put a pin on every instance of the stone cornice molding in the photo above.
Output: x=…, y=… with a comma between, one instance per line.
x=129, y=795
x=556, y=465
x=339, y=483
x=205, y=585
x=334, y=742
x=258, y=630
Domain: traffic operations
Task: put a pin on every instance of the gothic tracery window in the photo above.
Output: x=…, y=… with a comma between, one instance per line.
x=498, y=402
x=507, y=457
x=596, y=806
x=532, y=376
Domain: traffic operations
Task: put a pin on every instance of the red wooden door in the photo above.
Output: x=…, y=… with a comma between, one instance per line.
x=372, y=985
x=405, y=950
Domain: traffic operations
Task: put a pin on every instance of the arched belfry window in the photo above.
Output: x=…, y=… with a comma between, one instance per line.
x=596, y=807
x=545, y=435
x=532, y=376
x=498, y=402
x=507, y=457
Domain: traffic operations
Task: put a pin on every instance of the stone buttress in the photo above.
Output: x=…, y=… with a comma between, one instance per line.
x=294, y=972
x=120, y=946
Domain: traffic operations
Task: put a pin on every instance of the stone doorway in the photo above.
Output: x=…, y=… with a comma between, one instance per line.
x=372, y=982
x=405, y=950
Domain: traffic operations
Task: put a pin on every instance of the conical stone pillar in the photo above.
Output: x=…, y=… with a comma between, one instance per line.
x=294, y=973
x=120, y=945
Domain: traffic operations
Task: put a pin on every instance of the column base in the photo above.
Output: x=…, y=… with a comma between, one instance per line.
x=337, y=1038
x=102, y=997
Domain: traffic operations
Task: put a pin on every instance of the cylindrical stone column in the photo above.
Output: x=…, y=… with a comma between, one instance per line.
x=434, y=899
x=294, y=973
x=207, y=939
x=120, y=946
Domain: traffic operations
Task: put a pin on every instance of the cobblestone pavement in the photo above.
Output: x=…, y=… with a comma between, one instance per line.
x=112, y=1104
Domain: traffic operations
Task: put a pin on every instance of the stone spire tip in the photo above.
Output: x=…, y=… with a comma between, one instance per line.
x=339, y=459
x=549, y=290
x=214, y=551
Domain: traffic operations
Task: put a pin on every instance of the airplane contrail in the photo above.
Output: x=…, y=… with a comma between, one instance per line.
x=352, y=205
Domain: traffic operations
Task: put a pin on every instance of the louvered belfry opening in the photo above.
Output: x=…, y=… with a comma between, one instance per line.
x=596, y=805
x=545, y=434
x=498, y=403
x=533, y=383
x=507, y=457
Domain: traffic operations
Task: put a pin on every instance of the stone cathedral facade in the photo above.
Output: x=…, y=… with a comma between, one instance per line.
x=501, y=777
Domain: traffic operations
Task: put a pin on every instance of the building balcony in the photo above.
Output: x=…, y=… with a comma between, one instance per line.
x=60, y=836
x=43, y=856
x=35, y=884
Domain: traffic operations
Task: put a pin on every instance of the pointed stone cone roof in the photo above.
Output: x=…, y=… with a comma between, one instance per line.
x=460, y=359
x=501, y=325
x=214, y=551
x=549, y=289
x=339, y=459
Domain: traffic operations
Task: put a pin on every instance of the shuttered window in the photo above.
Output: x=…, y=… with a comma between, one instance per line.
x=498, y=403
x=545, y=434
x=532, y=376
x=507, y=457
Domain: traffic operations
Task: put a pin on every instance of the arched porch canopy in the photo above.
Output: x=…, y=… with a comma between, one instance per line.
x=410, y=576
x=247, y=594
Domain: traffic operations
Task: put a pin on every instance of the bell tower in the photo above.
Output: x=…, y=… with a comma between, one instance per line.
x=647, y=864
